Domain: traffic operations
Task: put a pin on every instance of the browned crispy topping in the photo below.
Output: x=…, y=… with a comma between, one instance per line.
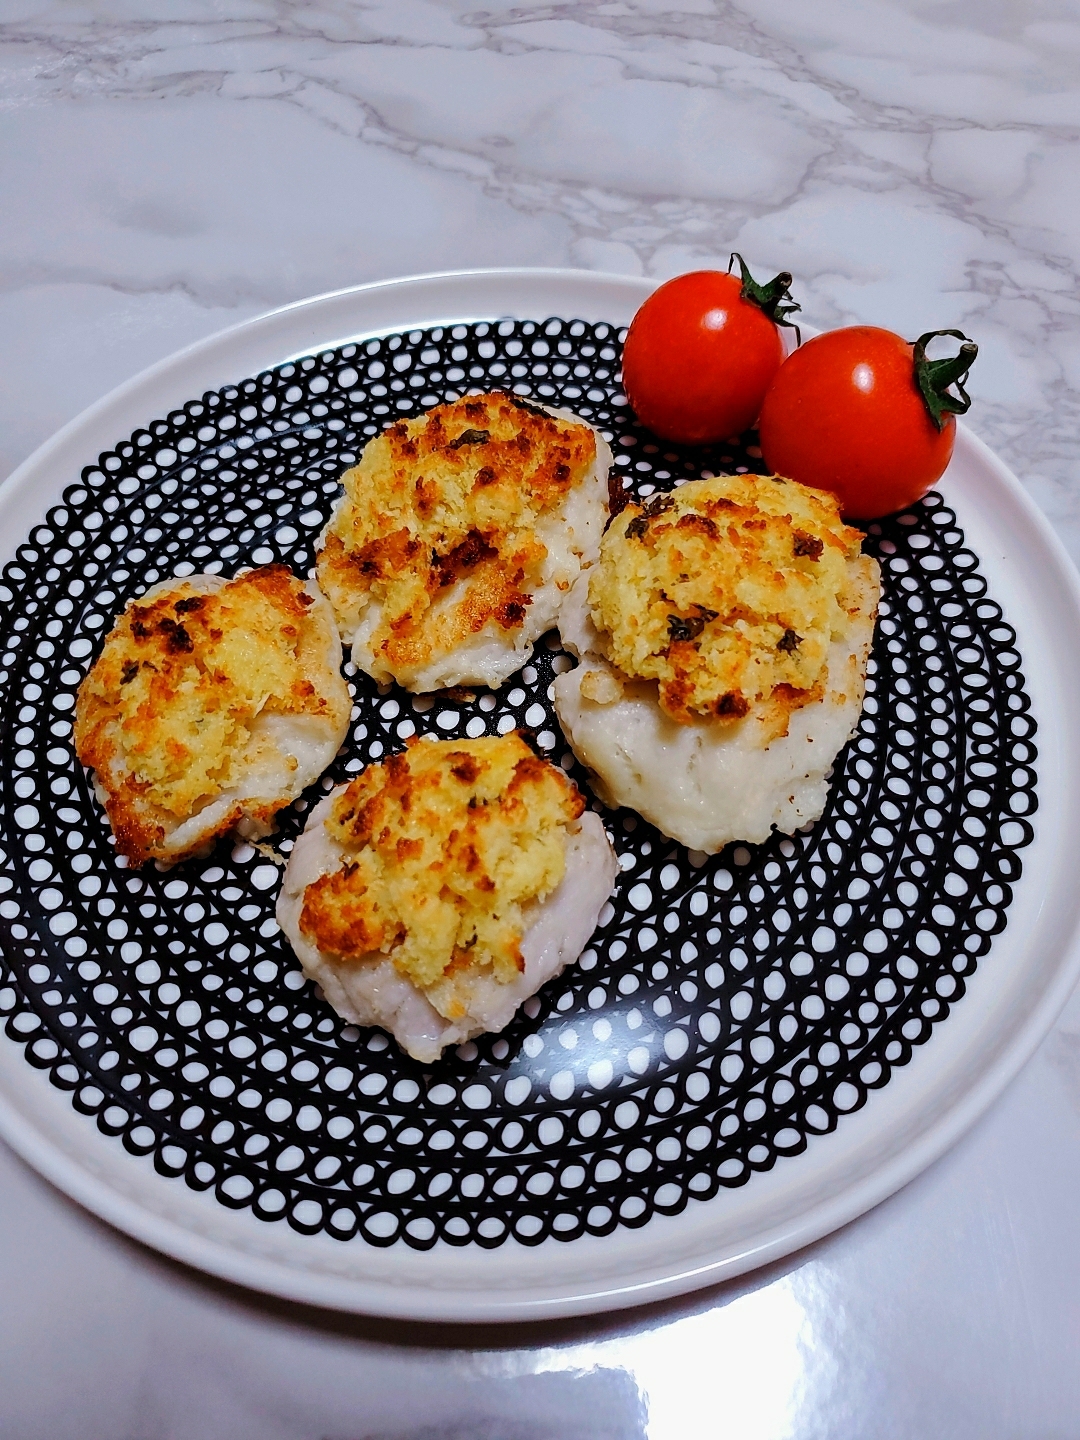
x=443, y=846
x=166, y=715
x=470, y=552
x=732, y=706
x=453, y=496
x=808, y=545
x=726, y=592
x=465, y=770
x=511, y=612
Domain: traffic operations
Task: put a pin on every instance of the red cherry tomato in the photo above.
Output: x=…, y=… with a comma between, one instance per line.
x=846, y=413
x=699, y=355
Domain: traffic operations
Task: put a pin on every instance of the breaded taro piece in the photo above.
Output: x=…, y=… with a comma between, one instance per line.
x=723, y=637
x=213, y=704
x=443, y=886
x=458, y=537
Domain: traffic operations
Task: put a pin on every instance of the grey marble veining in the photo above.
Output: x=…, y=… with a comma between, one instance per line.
x=168, y=169
x=172, y=168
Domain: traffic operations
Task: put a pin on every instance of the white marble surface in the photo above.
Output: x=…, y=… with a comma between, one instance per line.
x=167, y=169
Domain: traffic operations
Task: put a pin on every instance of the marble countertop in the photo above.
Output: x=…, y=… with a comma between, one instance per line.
x=166, y=170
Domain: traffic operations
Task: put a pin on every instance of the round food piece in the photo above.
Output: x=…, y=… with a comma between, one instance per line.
x=723, y=637
x=458, y=537
x=701, y=352
x=213, y=704
x=443, y=886
x=862, y=412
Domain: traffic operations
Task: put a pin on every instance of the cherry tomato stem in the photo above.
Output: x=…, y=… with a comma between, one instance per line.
x=773, y=299
x=934, y=377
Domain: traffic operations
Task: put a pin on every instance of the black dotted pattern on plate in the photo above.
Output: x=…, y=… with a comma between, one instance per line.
x=727, y=1010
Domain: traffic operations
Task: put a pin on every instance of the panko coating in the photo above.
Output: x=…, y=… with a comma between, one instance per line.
x=213, y=704
x=459, y=535
x=443, y=886
x=724, y=636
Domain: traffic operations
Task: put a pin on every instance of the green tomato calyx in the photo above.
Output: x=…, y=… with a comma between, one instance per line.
x=773, y=299
x=933, y=377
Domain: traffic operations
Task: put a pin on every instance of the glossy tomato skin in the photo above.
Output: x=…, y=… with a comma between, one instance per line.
x=698, y=359
x=844, y=414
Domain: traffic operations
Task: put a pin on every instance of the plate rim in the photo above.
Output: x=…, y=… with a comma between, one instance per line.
x=371, y=1296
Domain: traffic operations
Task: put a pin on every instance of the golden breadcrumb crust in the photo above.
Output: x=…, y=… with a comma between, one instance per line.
x=444, y=844
x=165, y=717
x=727, y=593
x=453, y=495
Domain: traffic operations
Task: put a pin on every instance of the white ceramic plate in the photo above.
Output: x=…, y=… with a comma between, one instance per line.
x=1009, y=1005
